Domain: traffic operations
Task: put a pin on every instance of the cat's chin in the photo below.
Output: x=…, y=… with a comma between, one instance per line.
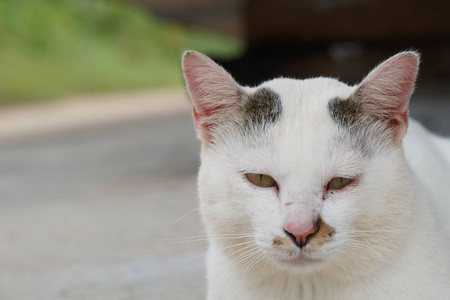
x=301, y=263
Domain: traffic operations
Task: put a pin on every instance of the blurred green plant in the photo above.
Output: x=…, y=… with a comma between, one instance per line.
x=55, y=48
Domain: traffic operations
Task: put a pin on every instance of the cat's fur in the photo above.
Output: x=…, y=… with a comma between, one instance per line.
x=386, y=236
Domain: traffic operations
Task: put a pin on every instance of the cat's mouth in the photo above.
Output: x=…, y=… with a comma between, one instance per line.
x=303, y=254
x=291, y=244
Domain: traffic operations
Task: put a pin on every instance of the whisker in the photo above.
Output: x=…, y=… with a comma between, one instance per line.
x=243, y=256
x=185, y=215
x=237, y=245
x=252, y=263
x=205, y=237
x=250, y=255
x=264, y=268
x=196, y=256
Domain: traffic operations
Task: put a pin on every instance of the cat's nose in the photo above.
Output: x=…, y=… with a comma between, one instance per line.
x=300, y=232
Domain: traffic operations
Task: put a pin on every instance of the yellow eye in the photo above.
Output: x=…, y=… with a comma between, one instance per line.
x=338, y=183
x=261, y=180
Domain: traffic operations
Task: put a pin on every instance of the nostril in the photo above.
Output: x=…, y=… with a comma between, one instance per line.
x=293, y=238
x=301, y=238
x=309, y=236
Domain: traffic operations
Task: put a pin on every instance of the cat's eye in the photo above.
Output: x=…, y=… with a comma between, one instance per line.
x=338, y=183
x=261, y=180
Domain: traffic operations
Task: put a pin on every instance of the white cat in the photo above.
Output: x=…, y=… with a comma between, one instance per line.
x=313, y=189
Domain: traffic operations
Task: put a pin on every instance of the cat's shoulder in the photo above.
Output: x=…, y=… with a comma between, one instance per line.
x=421, y=144
x=428, y=156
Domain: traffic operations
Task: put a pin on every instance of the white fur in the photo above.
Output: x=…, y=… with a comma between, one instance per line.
x=392, y=229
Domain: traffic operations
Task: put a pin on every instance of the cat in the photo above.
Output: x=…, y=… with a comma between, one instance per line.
x=314, y=189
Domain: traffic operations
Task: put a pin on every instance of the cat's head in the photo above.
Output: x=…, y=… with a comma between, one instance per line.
x=304, y=174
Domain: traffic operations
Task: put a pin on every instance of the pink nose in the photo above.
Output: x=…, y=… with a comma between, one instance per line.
x=300, y=231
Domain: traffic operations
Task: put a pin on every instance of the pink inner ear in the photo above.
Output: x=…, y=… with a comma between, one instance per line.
x=386, y=91
x=213, y=91
x=199, y=92
x=193, y=80
x=195, y=115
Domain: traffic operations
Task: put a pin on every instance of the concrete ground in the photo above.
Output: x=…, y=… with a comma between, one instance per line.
x=97, y=195
x=94, y=212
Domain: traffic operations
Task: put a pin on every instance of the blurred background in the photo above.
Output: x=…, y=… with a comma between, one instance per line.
x=98, y=156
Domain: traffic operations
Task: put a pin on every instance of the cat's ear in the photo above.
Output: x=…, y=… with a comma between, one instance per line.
x=384, y=94
x=215, y=94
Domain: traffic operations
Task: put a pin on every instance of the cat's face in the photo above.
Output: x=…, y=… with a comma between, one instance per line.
x=299, y=174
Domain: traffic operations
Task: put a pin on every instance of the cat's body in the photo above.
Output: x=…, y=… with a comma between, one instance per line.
x=381, y=231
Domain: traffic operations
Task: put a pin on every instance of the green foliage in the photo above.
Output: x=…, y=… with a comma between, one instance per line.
x=53, y=48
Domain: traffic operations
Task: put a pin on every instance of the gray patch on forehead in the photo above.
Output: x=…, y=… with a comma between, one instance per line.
x=344, y=112
x=355, y=130
x=263, y=107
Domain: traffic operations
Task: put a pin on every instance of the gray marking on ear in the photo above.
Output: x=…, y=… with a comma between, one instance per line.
x=262, y=108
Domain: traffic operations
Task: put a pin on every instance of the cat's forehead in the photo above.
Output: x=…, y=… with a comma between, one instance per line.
x=307, y=92
x=299, y=101
x=304, y=117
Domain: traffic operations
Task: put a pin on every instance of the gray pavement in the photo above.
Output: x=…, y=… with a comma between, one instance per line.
x=95, y=212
